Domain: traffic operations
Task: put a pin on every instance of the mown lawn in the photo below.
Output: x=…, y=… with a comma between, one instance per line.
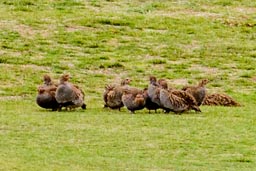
x=100, y=42
x=218, y=139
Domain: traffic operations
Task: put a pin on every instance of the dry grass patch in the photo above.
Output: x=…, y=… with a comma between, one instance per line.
x=207, y=71
x=26, y=31
x=191, y=47
x=179, y=82
x=177, y=13
x=10, y=98
x=244, y=10
x=77, y=28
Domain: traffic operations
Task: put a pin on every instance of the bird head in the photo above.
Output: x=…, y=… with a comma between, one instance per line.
x=203, y=82
x=126, y=81
x=153, y=81
x=64, y=78
x=163, y=83
x=47, y=79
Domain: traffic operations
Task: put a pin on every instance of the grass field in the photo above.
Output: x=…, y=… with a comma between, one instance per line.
x=100, y=42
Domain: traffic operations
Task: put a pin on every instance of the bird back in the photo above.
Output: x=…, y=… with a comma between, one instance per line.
x=65, y=93
x=218, y=99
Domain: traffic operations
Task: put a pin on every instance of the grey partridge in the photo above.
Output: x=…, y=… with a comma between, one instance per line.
x=46, y=94
x=133, y=100
x=198, y=91
x=218, y=99
x=69, y=95
x=112, y=95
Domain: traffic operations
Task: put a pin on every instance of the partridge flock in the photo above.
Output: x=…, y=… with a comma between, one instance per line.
x=64, y=94
x=158, y=95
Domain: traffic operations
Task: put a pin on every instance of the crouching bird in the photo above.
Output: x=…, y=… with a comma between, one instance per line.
x=172, y=102
x=188, y=98
x=198, y=91
x=112, y=95
x=179, y=99
x=218, y=99
x=133, y=99
x=69, y=95
x=46, y=94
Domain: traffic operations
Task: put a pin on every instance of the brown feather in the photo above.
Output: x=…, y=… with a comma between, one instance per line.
x=173, y=102
x=133, y=100
x=218, y=99
x=46, y=94
x=68, y=94
x=112, y=95
x=198, y=91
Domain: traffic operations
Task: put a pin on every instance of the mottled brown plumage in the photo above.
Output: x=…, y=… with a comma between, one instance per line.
x=198, y=92
x=187, y=97
x=46, y=94
x=218, y=99
x=162, y=83
x=172, y=102
x=69, y=95
x=133, y=100
x=112, y=95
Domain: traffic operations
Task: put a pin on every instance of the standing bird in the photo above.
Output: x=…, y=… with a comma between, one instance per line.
x=172, y=102
x=112, y=95
x=69, y=95
x=46, y=94
x=154, y=94
x=154, y=90
x=149, y=104
x=187, y=97
x=198, y=92
x=217, y=99
x=133, y=100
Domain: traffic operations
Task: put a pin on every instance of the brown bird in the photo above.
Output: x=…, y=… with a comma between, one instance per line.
x=112, y=95
x=217, y=99
x=198, y=92
x=154, y=93
x=163, y=83
x=188, y=98
x=133, y=100
x=46, y=94
x=154, y=90
x=69, y=95
x=172, y=102
x=149, y=104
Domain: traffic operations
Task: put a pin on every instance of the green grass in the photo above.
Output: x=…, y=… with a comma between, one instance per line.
x=34, y=139
x=99, y=42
